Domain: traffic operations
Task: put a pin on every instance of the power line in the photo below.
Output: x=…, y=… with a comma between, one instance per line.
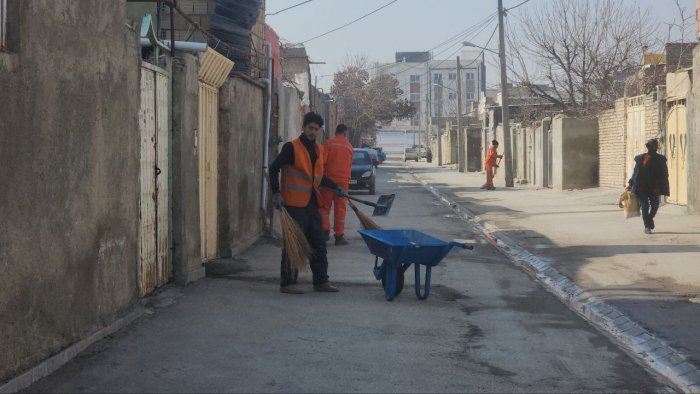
x=289, y=8
x=351, y=22
x=516, y=6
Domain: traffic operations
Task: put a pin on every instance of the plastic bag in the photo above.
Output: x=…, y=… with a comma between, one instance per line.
x=630, y=204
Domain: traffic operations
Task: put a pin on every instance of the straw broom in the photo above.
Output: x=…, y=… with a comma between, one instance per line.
x=296, y=247
x=365, y=221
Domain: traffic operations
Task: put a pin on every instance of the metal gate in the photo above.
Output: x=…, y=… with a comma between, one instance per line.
x=154, y=268
x=634, y=134
x=213, y=71
x=676, y=144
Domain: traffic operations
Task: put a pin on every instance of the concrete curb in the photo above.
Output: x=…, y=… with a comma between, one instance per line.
x=653, y=352
x=50, y=365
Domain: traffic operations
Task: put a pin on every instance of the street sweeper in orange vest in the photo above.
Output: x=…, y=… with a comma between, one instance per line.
x=338, y=165
x=302, y=166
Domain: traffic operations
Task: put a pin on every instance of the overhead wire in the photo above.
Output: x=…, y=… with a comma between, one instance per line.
x=289, y=8
x=351, y=22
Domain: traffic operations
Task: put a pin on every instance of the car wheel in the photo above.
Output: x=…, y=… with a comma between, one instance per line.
x=416, y=160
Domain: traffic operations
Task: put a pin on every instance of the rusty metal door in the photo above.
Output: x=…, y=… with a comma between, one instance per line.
x=213, y=72
x=154, y=269
x=208, y=170
x=676, y=144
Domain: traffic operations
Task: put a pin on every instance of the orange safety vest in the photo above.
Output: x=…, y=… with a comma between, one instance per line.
x=338, y=160
x=300, y=180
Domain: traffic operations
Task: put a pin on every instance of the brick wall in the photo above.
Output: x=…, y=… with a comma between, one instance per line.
x=611, y=129
x=613, y=141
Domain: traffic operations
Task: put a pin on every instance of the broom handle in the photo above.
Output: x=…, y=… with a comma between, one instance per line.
x=371, y=204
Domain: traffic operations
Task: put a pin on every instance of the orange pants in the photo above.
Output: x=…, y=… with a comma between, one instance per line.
x=489, y=178
x=340, y=207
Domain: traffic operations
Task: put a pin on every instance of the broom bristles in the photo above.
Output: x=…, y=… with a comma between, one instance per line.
x=365, y=221
x=296, y=247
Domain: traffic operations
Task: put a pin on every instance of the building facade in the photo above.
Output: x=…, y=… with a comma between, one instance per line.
x=431, y=86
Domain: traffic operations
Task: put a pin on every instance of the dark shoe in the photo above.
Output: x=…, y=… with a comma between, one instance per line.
x=326, y=288
x=647, y=231
x=291, y=289
x=340, y=240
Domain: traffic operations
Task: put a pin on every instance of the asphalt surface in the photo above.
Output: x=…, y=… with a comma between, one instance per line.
x=486, y=327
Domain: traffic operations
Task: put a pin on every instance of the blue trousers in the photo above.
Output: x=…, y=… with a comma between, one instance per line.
x=650, y=205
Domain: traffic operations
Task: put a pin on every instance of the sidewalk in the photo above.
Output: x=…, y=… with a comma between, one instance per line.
x=653, y=279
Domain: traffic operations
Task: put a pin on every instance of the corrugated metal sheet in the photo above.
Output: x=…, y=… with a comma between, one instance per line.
x=162, y=165
x=147, y=222
x=208, y=167
x=213, y=68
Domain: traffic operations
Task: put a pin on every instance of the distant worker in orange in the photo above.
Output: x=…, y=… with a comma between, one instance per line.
x=490, y=163
x=338, y=163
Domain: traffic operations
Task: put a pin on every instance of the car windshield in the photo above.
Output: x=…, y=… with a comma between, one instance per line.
x=361, y=157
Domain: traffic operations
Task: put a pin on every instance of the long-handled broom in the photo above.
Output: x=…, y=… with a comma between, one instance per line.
x=296, y=247
x=365, y=221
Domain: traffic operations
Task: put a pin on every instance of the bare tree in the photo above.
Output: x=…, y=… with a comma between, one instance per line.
x=582, y=49
x=364, y=101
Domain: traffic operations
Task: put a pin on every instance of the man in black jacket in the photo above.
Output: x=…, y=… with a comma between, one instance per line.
x=649, y=181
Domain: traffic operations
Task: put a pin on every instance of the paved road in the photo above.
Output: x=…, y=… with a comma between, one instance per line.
x=486, y=327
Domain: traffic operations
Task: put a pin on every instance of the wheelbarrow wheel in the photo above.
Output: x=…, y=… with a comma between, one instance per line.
x=399, y=282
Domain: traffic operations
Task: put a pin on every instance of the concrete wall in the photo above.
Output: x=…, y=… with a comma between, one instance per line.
x=575, y=153
x=187, y=262
x=291, y=115
x=693, y=104
x=69, y=170
x=240, y=164
x=541, y=147
x=473, y=149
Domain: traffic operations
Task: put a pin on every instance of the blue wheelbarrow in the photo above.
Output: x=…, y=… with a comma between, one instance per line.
x=398, y=249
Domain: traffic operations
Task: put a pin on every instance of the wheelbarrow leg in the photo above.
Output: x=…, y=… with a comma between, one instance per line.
x=426, y=292
x=390, y=282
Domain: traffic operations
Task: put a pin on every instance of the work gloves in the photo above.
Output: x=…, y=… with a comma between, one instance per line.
x=277, y=201
x=341, y=192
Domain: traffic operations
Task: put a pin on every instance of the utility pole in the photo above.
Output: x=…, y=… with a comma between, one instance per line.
x=460, y=137
x=504, y=98
x=427, y=109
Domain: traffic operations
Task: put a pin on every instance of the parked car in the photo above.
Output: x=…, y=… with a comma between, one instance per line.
x=410, y=154
x=363, y=173
x=421, y=151
x=374, y=155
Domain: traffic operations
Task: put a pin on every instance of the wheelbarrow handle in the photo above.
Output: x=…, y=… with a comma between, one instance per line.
x=463, y=245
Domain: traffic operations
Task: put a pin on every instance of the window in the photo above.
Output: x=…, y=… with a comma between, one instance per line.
x=452, y=76
x=470, y=76
x=415, y=78
x=437, y=78
x=415, y=97
x=3, y=25
x=452, y=96
x=470, y=95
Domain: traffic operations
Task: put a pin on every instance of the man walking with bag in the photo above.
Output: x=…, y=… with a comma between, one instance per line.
x=650, y=181
x=338, y=164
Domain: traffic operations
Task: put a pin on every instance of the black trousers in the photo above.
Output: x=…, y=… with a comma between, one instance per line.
x=309, y=220
x=650, y=205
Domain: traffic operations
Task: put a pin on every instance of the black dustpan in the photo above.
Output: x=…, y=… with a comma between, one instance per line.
x=381, y=207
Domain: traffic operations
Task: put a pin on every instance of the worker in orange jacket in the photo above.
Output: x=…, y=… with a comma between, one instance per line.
x=490, y=163
x=338, y=163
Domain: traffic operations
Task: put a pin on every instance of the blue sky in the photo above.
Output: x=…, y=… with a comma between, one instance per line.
x=407, y=25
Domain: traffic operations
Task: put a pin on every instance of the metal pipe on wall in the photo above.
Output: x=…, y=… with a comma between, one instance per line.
x=266, y=128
